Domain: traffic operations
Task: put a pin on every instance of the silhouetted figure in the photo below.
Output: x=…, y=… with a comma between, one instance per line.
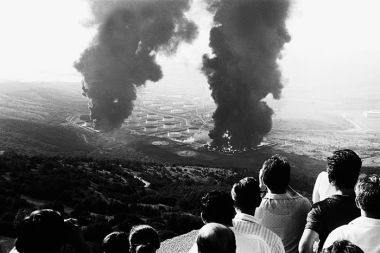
x=246, y=197
x=343, y=246
x=116, y=242
x=343, y=169
x=363, y=231
x=216, y=207
x=282, y=209
x=216, y=238
x=45, y=231
x=143, y=239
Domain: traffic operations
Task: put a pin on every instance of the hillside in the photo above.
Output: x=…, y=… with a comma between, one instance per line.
x=106, y=195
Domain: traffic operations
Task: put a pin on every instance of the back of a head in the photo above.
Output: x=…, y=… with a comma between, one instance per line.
x=116, y=242
x=343, y=168
x=217, y=206
x=43, y=231
x=216, y=238
x=367, y=192
x=143, y=238
x=246, y=194
x=343, y=247
x=275, y=174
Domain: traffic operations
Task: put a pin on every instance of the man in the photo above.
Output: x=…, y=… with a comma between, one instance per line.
x=216, y=238
x=217, y=207
x=343, y=169
x=282, y=210
x=365, y=230
x=45, y=231
x=115, y=242
x=246, y=197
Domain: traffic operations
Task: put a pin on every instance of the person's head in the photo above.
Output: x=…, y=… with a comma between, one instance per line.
x=367, y=192
x=42, y=231
x=116, y=242
x=275, y=174
x=217, y=206
x=143, y=238
x=246, y=195
x=216, y=238
x=343, y=246
x=343, y=168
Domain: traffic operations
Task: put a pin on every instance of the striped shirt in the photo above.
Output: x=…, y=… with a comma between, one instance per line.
x=247, y=224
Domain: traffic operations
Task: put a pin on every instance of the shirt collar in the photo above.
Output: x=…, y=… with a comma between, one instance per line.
x=365, y=221
x=270, y=195
x=245, y=217
x=289, y=194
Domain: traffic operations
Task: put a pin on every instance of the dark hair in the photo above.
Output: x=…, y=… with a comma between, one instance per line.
x=343, y=168
x=343, y=246
x=42, y=231
x=143, y=235
x=368, y=193
x=217, y=206
x=276, y=173
x=116, y=242
x=246, y=194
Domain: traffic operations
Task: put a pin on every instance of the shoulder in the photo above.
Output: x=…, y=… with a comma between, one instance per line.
x=336, y=234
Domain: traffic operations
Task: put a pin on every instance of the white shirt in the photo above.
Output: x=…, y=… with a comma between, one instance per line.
x=363, y=232
x=322, y=187
x=247, y=224
x=284, y=214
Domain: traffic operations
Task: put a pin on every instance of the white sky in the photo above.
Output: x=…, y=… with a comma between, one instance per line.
x=335, y=44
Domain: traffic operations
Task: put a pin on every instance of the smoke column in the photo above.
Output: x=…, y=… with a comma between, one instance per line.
x=246, y=41
x=123, y=53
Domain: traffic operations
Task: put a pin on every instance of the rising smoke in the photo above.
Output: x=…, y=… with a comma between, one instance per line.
x=246, y=41
x=123, y=54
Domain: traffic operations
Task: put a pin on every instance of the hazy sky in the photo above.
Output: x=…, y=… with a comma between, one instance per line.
x=335, y=44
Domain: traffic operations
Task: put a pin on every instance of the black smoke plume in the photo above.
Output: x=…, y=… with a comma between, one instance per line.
x=246, y=41
x=123, y=54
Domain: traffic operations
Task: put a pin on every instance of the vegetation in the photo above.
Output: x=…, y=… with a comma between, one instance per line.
x=106, y=195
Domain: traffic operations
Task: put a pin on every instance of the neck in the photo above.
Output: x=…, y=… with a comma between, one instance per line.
x=371, y=215
x=343, y=191
x=245, y=211
x=276, y=192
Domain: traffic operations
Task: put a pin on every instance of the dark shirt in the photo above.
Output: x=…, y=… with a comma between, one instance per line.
x=330, y=213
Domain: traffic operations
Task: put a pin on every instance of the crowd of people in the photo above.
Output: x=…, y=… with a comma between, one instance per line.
x=264, y=215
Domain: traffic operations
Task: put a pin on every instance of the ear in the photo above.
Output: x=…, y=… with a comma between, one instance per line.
x=357, y=203
x=203, y=219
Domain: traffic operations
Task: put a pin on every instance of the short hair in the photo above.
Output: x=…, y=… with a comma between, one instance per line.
x=143, y=235
x=217, y=206
x=246, y=194
x=216, y=238
x=115, y=242
x=343, y=168
x=343, y=246
x=367, y=192
x=276, y=173
x=41, y=231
